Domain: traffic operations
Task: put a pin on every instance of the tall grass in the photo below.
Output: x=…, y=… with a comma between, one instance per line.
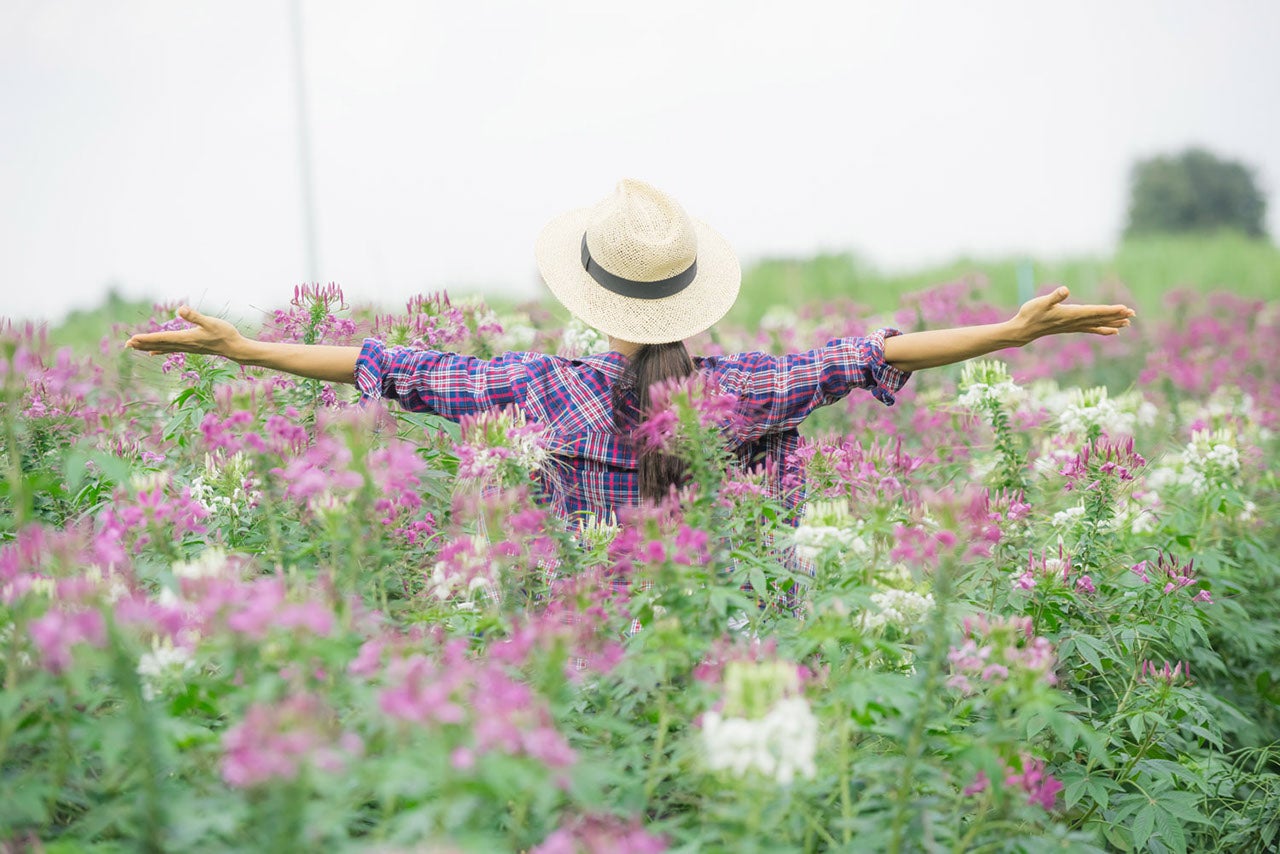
x=1143, y=270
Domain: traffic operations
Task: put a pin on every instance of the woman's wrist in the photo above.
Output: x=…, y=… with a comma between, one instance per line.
x=241, y=350
x=1018, y=332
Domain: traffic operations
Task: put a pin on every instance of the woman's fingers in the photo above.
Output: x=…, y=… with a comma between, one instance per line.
x=163, y=342
x=190, y=315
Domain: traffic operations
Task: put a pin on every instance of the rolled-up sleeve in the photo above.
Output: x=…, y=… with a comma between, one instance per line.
x=446, y=384
x=777, y=393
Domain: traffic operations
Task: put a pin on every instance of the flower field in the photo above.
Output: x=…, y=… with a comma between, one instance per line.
x=241, y=612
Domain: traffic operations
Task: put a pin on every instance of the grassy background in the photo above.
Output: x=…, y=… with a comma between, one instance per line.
x=1141, y=270
x=1147, y=268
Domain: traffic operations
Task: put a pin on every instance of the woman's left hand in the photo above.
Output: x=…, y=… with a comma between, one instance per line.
x=1047, y=315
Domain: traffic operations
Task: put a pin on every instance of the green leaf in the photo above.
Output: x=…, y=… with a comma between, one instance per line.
x=1074, y=791
x=1099, y=790
x=1091, y=651
x=1118, y=836
x=1171, y=832
x=1143, y=824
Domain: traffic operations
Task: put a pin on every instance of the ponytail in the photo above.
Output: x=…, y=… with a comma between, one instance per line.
x=656, y=472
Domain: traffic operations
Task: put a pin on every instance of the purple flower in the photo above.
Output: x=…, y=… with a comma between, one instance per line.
x=599, y=833
x=57, y=631
x=1179, y=673
x=658, y=431
x=275, y=740
x=979, y=785
x=1041, y=788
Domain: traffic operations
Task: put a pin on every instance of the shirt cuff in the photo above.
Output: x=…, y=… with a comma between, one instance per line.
x=371, y=366
x=889, y=380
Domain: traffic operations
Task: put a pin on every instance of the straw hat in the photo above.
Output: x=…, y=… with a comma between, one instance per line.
x=637, y=267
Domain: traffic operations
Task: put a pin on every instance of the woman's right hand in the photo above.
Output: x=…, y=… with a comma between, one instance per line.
x=210, y=336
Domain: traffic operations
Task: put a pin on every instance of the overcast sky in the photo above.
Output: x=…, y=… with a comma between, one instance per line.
x=155, y=144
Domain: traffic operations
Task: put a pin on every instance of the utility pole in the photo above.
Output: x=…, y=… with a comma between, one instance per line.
x=304, y=146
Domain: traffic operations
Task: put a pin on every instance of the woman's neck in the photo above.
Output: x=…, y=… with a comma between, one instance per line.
x=626, y=348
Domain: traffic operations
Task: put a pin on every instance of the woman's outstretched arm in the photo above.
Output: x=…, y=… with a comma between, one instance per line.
x=216, y=337
x=1037, y=318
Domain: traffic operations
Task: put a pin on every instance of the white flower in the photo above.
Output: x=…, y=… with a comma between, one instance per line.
x=1225, y=404
x=1067, y=518
x=212, y=563
x=594, y=532
x=812, y=540
x=517, y=334
x=779, y=745
x=979, y=393
x=1092, y=408
x=777, y=318
x=902, y=608
x=164, y=663
x=327, y=503
x=528, y=451
x=1209, y=459
x=221, y=488
x=981, y=466
x=986, y=383
x=149, y=481
x=467, y=577
x=579, y=339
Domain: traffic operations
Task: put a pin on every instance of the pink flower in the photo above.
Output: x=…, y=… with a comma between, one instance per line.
x=275, y=740
x=462, y=759
x=979, y=785
x=658, y=431
x=1041, y=788
x=57, y=631
x=422, y=692
x=1180, y=672
x=600, y=833
x=368, y=660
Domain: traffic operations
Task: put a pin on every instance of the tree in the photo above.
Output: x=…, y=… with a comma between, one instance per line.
x=1194, y=191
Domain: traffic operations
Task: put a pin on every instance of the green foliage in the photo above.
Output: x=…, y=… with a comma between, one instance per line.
x=1194, y=191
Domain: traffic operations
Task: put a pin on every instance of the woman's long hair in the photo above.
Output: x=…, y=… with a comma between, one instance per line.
x=652, y=363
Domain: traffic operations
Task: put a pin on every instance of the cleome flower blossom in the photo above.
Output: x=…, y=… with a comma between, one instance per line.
x=1175, y=575
x=1211, y=460
x=1040, y=787
x=601, y=834
x=1091, y=412
x=55, y=633
x=275, y=741
x=164, y=664
x=766, y=727
x=1102, y=458
x=986, y=384
x=1179, y=674
x=1000, y=650
x=500, y=442
x=904, y=609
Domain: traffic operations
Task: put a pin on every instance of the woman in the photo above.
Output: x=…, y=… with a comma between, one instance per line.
x=637, y=268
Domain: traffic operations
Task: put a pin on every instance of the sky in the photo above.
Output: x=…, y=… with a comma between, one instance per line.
x=154, y=146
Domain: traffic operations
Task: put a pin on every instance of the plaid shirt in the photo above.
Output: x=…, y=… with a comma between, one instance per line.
x=593, y=468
